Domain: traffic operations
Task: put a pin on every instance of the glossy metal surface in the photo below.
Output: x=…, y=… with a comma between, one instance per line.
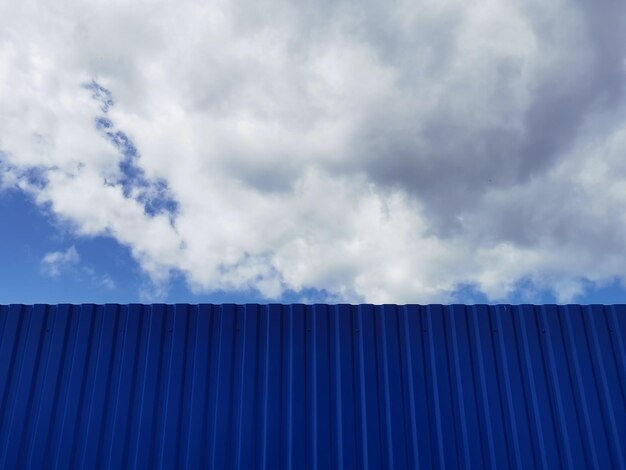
x=294, y=386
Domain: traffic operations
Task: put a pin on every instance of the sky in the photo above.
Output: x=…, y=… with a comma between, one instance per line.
x=406, y=151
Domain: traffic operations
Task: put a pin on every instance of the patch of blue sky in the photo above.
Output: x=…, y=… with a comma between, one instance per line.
x=611, y=292
x=309, y=296
x=35, y=177
x=156, y=199
x=103, y=123
x=101, y=95
x=153, y=193
x=126, y=147
x=179, y=292
x=469, y=294
x=526, y=291
x=29, y=232
x=106, y=271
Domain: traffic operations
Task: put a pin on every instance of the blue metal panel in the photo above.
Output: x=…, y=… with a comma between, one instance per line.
x=312, y=386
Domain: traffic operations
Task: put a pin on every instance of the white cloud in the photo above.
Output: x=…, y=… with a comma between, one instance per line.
x=380, y=153
x=54, y=262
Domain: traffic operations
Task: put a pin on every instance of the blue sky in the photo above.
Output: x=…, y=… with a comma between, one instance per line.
x=209, y=152
x=30, y=233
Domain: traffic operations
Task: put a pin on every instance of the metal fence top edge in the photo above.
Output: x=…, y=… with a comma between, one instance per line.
x=269, y=304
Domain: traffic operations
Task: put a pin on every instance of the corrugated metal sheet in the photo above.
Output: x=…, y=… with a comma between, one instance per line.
x=294, y=386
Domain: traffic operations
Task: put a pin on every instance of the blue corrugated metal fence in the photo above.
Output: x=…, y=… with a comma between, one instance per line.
x=322, y=386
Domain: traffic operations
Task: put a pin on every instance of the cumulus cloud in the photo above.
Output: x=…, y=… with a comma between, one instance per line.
x=54, y=262
x=376, y=151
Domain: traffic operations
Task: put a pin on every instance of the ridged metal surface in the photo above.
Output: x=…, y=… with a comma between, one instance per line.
x=294, y=386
